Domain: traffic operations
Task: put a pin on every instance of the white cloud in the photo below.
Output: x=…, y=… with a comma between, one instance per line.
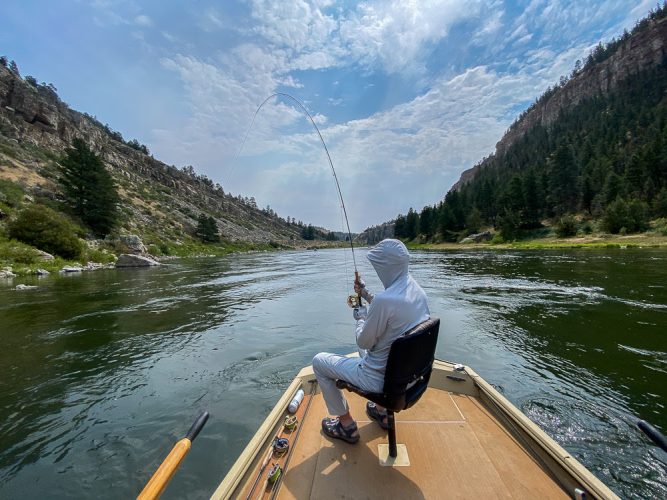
x=143, y=20
x=393, y=36
x=410, y=153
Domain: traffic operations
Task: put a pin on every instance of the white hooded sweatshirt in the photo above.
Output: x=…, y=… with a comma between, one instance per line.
x=399, y=308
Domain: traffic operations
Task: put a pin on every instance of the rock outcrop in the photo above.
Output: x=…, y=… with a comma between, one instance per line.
x=478, y=238
x=375, y=234
x=128, y=260
x=157, y=198
x=642, y=50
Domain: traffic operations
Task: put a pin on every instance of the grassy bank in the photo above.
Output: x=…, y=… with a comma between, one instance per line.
x=25, y=260
x=644, y=240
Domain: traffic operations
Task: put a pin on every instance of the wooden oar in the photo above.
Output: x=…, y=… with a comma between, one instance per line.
x=163, y=475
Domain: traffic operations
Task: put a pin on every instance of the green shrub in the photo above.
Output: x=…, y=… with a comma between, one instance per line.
x=587, y=227
x=660, y=203
x=11, y=194
x=661, y=226
x=509, y=225
x=497, y=239
x=97, y=255
x=616, y=216
x=16, y=252
x=566, y=226
x=638, y=214
x=47, y=230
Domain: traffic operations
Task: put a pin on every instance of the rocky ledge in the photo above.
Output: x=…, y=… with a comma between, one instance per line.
x=128, y=260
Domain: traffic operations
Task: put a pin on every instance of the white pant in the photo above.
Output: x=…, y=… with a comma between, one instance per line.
x=331, y=367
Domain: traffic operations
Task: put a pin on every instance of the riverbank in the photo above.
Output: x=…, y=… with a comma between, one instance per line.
x=19, y=260
x=643, y=240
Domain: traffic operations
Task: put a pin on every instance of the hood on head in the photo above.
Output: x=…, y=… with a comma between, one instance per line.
x=390, y=260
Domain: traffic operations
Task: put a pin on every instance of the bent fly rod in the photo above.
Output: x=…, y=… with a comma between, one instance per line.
x=351, y=301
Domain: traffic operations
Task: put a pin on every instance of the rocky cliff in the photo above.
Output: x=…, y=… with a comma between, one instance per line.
x=646, y=47
x=36, y=127
x=375, y=234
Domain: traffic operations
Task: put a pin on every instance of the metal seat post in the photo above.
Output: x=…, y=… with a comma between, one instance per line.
x=391, y=424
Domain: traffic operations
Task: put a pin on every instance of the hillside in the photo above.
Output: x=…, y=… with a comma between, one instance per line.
x=159, y=202
x=589, y=156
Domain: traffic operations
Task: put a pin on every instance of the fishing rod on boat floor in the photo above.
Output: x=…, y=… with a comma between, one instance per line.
x=167, y=469
x=353, y=300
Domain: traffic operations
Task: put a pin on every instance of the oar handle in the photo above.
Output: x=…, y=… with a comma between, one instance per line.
x=197, y=426
x=169, y=465
x=653, y=434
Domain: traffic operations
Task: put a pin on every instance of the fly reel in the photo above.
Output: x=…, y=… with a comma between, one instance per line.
x=353, y=301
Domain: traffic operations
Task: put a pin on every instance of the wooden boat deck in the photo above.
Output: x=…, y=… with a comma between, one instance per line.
x=455, y=447
x=463, y=439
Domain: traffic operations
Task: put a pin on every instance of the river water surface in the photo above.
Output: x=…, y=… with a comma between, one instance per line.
x=100, y=373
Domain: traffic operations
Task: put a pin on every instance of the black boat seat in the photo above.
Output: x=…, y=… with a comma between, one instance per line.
x=408, y=371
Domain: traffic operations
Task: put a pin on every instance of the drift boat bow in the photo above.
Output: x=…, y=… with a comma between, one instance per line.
x=463, y=439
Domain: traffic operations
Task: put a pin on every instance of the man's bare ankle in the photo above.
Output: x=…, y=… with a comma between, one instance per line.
x=346, y=420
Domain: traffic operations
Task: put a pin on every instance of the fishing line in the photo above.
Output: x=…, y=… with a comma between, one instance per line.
x=326, y=150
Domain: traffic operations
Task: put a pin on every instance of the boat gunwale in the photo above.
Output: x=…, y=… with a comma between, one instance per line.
x=249, y=454
x=544, y=442
x=501, y=407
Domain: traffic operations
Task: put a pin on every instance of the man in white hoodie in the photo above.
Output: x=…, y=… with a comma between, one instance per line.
x=401, y=306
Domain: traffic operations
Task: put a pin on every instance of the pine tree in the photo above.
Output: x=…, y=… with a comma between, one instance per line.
x=14, y=68
x=89, y=189
x=411, y=224
x=207, y=229
x=563, y=179
x=531, y=200
x=399, y=227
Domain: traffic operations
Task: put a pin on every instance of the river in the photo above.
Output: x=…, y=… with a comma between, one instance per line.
x=101, y=372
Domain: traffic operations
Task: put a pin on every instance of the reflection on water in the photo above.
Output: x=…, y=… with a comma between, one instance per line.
x=102, y=372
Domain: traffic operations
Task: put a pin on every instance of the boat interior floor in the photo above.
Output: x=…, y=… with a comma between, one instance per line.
x=455, y=446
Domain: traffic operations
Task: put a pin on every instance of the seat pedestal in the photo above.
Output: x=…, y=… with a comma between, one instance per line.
x=400, y=460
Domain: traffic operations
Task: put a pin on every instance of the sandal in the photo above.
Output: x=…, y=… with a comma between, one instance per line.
x=379, y=416
x=333, y=428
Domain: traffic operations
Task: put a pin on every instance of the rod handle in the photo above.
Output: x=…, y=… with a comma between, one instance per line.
x=357, y=280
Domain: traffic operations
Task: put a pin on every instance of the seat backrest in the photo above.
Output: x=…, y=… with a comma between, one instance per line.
x=409, y=365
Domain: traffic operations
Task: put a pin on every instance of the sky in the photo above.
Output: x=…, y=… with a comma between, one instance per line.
x=406, y=94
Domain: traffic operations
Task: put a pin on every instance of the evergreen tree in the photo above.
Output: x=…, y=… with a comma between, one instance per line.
x=531, y=201
x=563, y=179
x=446, y=222
x=660, y=203
x=426, y=222
x=614, y=187
x=474, y=221
x=411, y=224
x=13, y=67
x=308, y=232
x=587, y=194
x=400, y=227
x=207, y=229
x=89, y=189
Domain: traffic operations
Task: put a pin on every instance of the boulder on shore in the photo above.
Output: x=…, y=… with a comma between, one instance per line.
x=133, y=244
x=71, y=269
x=42, y=255
x=127, y=260
x=478, y=238
x=6, y=273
